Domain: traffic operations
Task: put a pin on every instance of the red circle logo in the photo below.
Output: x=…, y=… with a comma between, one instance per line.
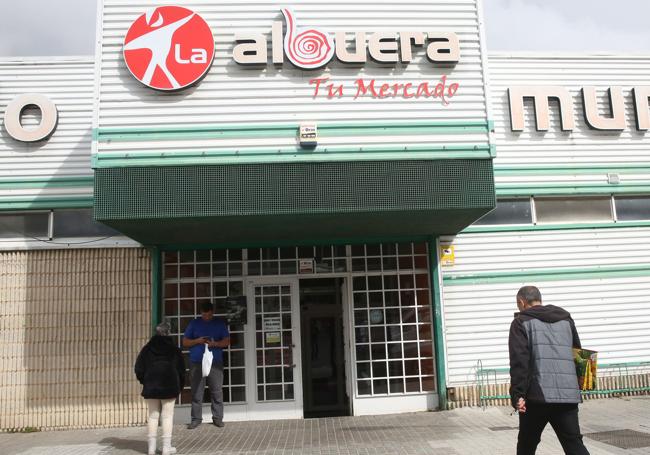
x=169, y=48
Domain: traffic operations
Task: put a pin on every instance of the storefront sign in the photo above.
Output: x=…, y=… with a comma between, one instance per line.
x=272, y=324
x=542, y=96
x=169, y=48
x=306, y=266
x=311, y=48
x=15, y=109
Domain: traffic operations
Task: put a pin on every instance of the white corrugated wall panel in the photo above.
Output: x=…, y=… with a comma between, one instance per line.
x=611, y=312
x=611, y=315
x=69, y=84
x=583, y=147
x=232, y=94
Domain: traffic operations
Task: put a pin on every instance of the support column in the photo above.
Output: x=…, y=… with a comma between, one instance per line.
x=156, y=276
x=439, y=340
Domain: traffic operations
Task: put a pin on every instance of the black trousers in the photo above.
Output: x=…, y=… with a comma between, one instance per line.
x=564, y=420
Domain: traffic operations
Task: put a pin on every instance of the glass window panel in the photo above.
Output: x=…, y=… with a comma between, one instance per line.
x=271, y=304
x=377, y=334
x=340, y=265
x=423, y=298
x=376, y=299
x=236, y=340
x=79, y=223
x=186, y=256
x=203, y=256
x=573, y=210
x=379, y=370
x=203, y=270
x=406, y=282
x=422, y=281
x=405, y=262
x=220, y=289
x=389, y=249
x=237, y=394
x=373, y=250
x=170, y=257
x=411, y=351
x=288, y=391
x=405, y=248
x=273, y=375
x=393, y=316
x=339, y=251
x=375, y=283
x=408, y=315
x=364, y=388
x=270, y=268
x=359, y=283
x=187, y=290
x=288, y=374
x=305, y=252
x=407, y=298
x=395, y=351
x=393, y=333
x=426, y=366
x=426, y=349
x=396, y=368
x=254, y=268
x=235, y=269
x=411, y=367
x=360, y=300
x=376, y=316
x=237, y=358
x=389, y=263
x=187, y=307
x=421, y=262
x=424, y=331
x=390, y=282
x=288, y=252
x=380, y=386
x=288, y=267
x=509, y=211
x=236, y=288
x=171, y=271
x=260, y=393
x=396, y=385
x=378, y=351
x=270, y=253
x=203, y=289
x=374, y=264
x=358, y=265
x=171, y=290
x=187, y=271
x=363, y=370
x=424, y=314
x=420, y=248
x=361, y=317
x=171, y=307
x=412, y=384
x=363, y=352
x=391, y=298
x=361, y=334
x=631, y=208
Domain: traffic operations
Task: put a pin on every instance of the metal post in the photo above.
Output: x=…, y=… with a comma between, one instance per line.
x=436, y=302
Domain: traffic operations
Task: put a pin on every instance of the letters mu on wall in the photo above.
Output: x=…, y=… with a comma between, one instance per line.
x=542, y=97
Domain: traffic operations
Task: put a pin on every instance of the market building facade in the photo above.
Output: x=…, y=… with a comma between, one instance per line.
x=349, y=185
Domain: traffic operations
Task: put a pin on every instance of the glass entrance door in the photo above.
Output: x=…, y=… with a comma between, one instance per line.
x=275, y=381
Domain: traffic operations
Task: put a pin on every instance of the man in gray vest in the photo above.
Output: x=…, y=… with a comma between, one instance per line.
x=543, y=381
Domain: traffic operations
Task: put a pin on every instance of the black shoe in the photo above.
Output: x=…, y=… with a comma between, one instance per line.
x=217, y=423
x=193, y=425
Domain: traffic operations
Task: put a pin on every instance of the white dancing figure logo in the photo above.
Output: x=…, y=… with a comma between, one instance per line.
x=307, y=48
x=169, y=48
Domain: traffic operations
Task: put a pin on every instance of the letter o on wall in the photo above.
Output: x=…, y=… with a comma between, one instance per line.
x=14, y=111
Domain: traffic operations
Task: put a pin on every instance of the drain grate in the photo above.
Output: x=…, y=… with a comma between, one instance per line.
x=623, y=439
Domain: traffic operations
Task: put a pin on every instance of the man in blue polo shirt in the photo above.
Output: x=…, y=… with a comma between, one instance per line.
x=211, y=331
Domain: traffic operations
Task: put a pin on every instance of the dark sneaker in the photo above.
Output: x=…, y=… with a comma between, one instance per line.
x=217, y=423
x=193, y=425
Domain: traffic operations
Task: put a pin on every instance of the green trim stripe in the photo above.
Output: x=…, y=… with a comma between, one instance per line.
x=510, y=190
x=45, y=203
x=570, y=170
x=285, y=129
x=554, y=227
x=45, y=182
x=555, y=274
x=292, y=154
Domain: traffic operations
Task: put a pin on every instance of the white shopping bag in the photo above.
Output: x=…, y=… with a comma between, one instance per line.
x=206, y=364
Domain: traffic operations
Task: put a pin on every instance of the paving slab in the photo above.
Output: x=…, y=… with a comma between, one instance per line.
x=613, y=424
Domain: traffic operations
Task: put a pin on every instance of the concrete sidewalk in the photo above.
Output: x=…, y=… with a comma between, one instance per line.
x=612, y=426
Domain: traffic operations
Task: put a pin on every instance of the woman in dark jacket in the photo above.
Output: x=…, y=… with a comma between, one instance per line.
x=160, y=368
